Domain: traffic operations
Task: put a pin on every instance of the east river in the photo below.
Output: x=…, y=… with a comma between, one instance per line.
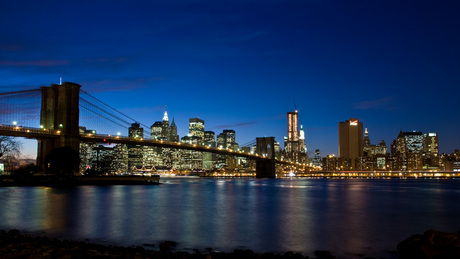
x=345, y=216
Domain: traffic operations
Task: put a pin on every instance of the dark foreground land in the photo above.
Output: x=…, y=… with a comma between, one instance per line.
x=14, y=244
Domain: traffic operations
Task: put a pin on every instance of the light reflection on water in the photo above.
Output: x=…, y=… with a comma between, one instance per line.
x=345, y=216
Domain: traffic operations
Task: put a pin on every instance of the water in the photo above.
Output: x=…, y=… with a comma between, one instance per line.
x=347, y=217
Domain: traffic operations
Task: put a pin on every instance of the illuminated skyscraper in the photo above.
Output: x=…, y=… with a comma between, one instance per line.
x=209, y=139
x=165, y=128
x=155, y=130
x=409, y=149
x=431, y=150
x=292, y=143
x=351, y=140
x=135, y=152
x=302, y=146
x=173, y=132
x=196, y=128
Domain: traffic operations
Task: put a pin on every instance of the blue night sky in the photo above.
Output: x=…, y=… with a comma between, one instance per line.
x=240, y=64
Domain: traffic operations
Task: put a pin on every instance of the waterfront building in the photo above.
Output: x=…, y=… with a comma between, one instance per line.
x=191, y=159
x=86, y=155
x=409, y=150
x=430, y=150
x=226, y=140
x=135, y=152
x=351, y=141
x=209, y=159
x=370, y=150
x=101, y=160
x=317, y=161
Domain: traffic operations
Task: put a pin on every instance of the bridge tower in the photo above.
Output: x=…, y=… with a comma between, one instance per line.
x=265, y=168
x=59, y=111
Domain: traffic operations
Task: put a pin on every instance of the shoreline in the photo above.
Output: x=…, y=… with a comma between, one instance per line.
x=17, y=244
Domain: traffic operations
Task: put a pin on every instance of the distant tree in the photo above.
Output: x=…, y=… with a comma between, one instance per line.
x=62, y=161
x=9, y=147
x=27, y=170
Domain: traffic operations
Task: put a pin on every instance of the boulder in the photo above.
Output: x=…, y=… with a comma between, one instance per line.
x=431, y=245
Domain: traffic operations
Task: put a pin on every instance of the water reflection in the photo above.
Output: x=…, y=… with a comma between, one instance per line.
x=345, y=216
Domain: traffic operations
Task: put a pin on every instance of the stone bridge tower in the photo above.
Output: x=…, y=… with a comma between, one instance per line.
x=59, y=111
x=265, y=168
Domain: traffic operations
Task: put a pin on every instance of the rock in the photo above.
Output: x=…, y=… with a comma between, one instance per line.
x=166, y=246
x=244, y=254
x=431, y=245
x=324, y=254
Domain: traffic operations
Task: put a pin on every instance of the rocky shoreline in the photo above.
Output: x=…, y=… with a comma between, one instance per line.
x=14, y=244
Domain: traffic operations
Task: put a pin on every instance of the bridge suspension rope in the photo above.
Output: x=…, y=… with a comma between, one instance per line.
x=107, y=112
x=249, y=144
x=20, y=108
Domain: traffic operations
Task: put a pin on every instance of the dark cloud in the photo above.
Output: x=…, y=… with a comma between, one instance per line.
x=109, y=85
x=230, y=126
x=36, y=63
x=385, y=103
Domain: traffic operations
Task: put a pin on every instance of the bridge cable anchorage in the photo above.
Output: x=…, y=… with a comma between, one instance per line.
x=113, y=108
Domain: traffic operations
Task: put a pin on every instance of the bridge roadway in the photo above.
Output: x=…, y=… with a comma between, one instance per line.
x=38, y=133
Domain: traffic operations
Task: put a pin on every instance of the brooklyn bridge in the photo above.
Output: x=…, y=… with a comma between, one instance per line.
x=60, y=125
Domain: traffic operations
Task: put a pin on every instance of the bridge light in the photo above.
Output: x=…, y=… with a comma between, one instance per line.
x=118, y=133
x=15, y=122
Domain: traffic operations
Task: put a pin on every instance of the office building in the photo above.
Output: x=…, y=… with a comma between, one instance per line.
x=165, y=126
x=155, y=130
x=173, y=132
x=196, y=128
x=135, y=152
x=430, y=150
x=292, y=141
x=351, y=141
x=409, y=150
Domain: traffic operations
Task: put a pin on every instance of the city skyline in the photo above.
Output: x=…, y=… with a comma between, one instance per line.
x=239, y=65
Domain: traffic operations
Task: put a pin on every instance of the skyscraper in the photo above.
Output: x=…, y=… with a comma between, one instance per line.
x=302, y=146
x=292, y=143
x=165, y=128
x=155, y=130
x=409, y=150
x=196, y=127
x=173, y=132
x=209, y=139
x=351, y=140
x=135, y=152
